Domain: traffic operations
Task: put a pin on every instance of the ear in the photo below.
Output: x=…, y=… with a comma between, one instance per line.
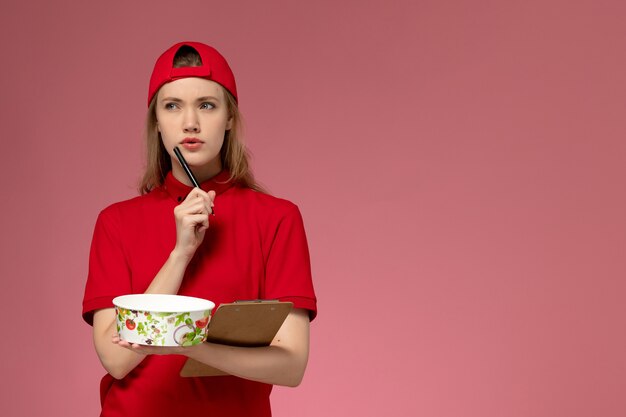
x=229, y=123
x=158, y=128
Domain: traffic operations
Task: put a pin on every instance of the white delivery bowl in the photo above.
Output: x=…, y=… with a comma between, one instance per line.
x=162, y=319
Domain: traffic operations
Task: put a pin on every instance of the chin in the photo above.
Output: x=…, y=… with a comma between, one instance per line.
x=205, y=162
x=199, y=159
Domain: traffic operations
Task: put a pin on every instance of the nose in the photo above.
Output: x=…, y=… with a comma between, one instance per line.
x=190, y=122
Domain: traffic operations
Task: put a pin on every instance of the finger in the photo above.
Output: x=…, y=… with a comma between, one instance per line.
x=198, y=207
x=212, y=196
x=204, y=224
x=196, y=223
x=193, y=207
x=195, y=197
x=195, y=194
x=193, y=220
x=200, y=204
x=199, y=193
x=123, y=343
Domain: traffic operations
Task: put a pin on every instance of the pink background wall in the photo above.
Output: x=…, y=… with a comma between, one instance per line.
x=460, y=166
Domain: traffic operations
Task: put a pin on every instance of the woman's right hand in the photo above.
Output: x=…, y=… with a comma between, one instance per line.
x=192, y=221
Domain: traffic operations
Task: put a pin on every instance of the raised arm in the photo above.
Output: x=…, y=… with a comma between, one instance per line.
x=191, y=224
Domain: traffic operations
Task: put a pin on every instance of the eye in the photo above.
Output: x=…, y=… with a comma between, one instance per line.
x=170, y=106
x=207, y=106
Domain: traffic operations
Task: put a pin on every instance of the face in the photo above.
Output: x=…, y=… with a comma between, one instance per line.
x=192, y=114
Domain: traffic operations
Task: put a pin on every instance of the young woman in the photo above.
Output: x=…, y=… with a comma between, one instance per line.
x=166, y=241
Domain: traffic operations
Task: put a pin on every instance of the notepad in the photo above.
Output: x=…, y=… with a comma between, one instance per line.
x=242, y=323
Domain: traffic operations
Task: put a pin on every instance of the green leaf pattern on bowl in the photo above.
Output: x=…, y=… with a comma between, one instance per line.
x=153, y=328
x=187, y=333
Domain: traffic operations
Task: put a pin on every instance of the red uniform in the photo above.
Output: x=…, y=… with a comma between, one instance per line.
x=255, y=248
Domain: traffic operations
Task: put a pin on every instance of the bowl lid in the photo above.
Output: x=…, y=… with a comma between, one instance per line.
x=162, y=303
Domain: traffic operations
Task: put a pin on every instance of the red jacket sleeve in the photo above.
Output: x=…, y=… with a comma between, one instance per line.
x=288, y=266
x=109, y=275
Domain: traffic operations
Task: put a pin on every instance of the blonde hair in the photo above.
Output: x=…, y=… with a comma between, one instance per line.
x=234, y=155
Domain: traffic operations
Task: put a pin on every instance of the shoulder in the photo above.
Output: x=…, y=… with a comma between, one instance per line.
x=265, y=204
x=265, y=213
x=132, y=207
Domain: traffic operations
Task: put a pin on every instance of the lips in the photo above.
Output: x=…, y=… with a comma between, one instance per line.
x=191, y=141
x=192, y=144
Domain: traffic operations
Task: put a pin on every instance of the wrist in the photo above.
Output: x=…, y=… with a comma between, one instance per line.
x=194, y=352
x=179, y=256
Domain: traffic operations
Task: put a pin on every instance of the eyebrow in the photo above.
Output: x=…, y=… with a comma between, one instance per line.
x=178, y=100
x=207, y=98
